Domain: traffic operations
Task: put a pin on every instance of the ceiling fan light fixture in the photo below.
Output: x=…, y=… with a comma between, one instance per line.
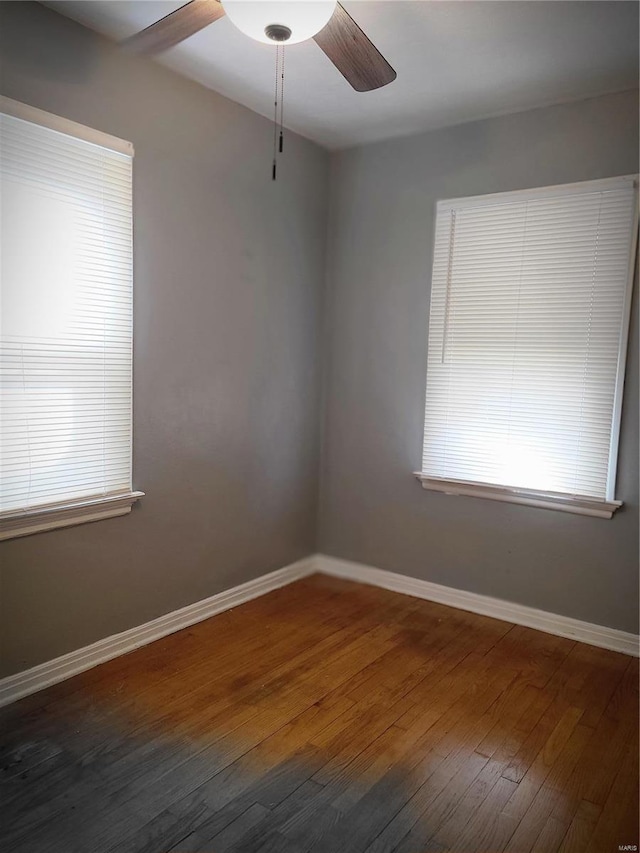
x=277, y=32
x=268, y=20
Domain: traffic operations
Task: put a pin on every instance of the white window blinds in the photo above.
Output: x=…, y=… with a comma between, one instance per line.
x=65, y=313
x=527, y=337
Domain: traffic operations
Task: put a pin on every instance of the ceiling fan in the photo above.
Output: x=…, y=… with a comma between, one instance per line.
x=279, y=22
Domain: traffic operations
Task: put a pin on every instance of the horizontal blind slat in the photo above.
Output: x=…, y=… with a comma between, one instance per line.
x=527, y=305
x=66, y=323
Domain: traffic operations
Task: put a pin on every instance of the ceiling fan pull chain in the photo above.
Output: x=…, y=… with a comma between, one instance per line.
x=275, y=115
x=282, y=101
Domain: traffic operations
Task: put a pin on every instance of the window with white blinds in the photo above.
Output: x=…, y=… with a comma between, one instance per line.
x=65, y=322
x=527, y=339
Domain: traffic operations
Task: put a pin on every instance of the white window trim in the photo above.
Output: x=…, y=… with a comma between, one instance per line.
x=544, y=500
x=548, y=500
x=64, y=125
x=38, y=519
x=50, y=516
x=596, y=185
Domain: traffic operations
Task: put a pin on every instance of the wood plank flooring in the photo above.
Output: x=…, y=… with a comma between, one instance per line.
x=330, y=717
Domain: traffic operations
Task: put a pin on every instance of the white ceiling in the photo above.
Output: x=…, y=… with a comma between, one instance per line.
x=457, y=60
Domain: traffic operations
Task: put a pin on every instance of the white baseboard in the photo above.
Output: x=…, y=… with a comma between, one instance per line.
x=31, y=680
x=551, y=623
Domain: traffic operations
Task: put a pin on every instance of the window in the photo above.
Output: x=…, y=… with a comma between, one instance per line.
x=530, y=306
x=65, y=322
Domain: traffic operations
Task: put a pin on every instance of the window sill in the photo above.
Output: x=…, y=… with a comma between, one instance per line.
x=36, y=520
x=528, y=497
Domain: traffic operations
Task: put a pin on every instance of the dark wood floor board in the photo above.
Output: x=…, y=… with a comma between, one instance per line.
x=525, y=705
x=444, y=688
x=200, y=832
x=306, y=830
x=409, y=794
x=489, y=828
x=336, y=814
x=282, y=780
x=404, y=666
x=35, y=788
x=440, y=794
x=606, y=673
x=330, y=717
x=338, y=669
x=413, y=843
x=552, y=835
x=620, y=811
x=31, y=809
x=395, y=747
x=373, y=811
x=285, y=743
x=350, y=734
x=444, y=773
x=614, y=736
x=599, y=767
x=627, y=822
x=461, y=669
x=237, y=829
x=23, y=772
x=557, y=718
x=432, y=782
x=626, y=691
x=462, y=810
x=351, y=782
x=458, y=727
x=535, y=655
x=224, y=804
x=274, y=843
x=163, y=832
x=267, y=832
x=368, y=809
x=538, y=812
x=578, y=834
x=563, y=767
x=550, y=750
x=392, y=674
x=506, y=736
x=588, y=677
x=444, y=803
x=532, y=716
x=79, y=831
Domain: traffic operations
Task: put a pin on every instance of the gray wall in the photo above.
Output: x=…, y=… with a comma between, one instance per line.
x=380, y=246
x=229, y=274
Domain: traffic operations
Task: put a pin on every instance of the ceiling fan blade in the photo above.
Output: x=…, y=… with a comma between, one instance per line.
x=174, y=28
x=353, y=54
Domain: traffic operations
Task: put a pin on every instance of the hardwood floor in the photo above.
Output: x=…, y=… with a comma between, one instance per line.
x=334, y=718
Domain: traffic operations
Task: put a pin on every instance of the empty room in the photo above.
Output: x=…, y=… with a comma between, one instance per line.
x=319, y=410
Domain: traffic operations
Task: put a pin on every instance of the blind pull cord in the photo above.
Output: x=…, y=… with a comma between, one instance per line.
x=447, y=298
